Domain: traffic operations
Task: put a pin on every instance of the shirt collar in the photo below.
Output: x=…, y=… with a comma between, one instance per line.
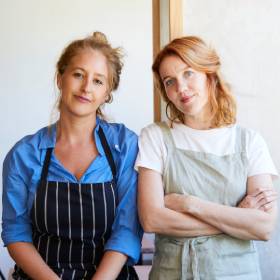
x=97, y=138
x=48, y=139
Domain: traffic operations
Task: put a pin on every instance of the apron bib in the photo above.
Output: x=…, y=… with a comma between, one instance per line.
x=220, y=179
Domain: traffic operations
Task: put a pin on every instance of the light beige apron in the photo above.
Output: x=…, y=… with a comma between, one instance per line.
x=220, y=179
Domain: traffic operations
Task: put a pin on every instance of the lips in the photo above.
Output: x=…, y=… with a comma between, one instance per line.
x=186, y=99
x=82, y=99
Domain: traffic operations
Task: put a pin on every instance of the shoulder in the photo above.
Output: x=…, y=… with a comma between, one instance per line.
x=118, y=131
x=152, y=150
x=27, y=146
x=251, y=139
x=120, y=138
x=248, y=131
x=255, y=142
x=153, y=131
x=24, y=158
x=252, y=136
x=152, y=137
x=259, y=158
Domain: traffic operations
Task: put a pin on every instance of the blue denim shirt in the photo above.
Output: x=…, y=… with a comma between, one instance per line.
x=21, y=175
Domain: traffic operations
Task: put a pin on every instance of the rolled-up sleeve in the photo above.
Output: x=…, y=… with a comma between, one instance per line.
x=16, y=224
x=126, y=231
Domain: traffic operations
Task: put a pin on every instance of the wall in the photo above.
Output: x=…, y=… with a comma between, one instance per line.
x=33, y=33
x=246, y=35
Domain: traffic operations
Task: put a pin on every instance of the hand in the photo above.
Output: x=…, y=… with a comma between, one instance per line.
x=262, y=199
x=176, y=202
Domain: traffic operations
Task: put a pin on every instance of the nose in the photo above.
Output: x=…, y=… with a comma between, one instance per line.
x=182, y=85
x=87, y=85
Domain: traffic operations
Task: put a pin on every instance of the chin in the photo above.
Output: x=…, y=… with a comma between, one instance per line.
x=81, y=113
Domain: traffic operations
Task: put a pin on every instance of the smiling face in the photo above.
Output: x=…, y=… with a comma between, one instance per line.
x=186, y=88
x=84, y=84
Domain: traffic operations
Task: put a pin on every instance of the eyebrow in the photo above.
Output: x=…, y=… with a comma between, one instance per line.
x=183, y=69
x=96, y=74
x=166, y=77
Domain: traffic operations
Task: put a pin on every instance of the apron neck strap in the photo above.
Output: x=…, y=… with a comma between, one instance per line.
x=46, y=164
x=107, y=151
x=167, y=135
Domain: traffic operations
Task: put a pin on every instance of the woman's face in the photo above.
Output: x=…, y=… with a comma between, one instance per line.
x=185, y=87
x=84, y=84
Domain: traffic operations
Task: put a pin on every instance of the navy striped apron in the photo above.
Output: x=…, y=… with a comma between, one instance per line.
x=72, y=222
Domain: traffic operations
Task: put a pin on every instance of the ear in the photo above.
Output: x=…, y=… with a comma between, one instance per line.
x=108, y=97
x=59, y=81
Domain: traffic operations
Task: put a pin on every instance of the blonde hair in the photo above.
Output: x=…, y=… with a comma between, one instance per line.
x=97, y=41
x=196, y=54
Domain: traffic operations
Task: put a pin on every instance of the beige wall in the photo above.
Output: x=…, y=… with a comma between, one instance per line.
x=33, y=33
x=246, y=35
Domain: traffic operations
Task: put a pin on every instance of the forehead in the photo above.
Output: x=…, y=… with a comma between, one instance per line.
x=90, y=60
x=171, y=65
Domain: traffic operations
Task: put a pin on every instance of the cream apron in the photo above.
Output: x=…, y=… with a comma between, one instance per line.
x=220, y=179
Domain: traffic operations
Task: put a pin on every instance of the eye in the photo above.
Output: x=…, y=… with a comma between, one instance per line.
x=78, y=75
x=188, y=73
x=168, y=82
x=98, y=82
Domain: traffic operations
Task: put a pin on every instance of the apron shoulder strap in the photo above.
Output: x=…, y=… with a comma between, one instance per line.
x=45, y=169
x=107, y=151
x=240, y=142
x=166, y=133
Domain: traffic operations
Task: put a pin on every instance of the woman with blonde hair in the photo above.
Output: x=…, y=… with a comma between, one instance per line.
x=205, y=184
x=69, y=190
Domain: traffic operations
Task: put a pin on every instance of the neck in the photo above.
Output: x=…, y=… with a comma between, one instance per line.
x=200, y=122
x=198, y=125
x=75, y=131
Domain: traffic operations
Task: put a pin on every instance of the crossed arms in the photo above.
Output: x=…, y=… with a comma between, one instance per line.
x=189, y=216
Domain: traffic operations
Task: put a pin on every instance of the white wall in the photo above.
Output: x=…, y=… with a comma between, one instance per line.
x=33, y=33
x=246, y=35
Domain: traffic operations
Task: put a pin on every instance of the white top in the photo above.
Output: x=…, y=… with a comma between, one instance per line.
x=219, y=141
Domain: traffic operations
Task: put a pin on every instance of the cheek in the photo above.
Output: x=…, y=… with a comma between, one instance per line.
x=63, y=85
x=171, y=94
x=104, y=95
x=203, y=88
x=105, y=91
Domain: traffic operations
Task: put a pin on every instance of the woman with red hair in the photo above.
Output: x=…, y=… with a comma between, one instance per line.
x=205, y=183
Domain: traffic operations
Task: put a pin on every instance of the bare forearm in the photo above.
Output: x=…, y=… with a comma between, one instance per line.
x=157, y=218
x=237, y=222
x=169, y=222
x=29, y=260
x=110, y=266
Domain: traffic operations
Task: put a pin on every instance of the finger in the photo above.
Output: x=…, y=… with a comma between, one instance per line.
x=265, y=194
x=261, y=190
x=258, y=191
x=266, y=200
x=256, y=202
x=267, y=207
